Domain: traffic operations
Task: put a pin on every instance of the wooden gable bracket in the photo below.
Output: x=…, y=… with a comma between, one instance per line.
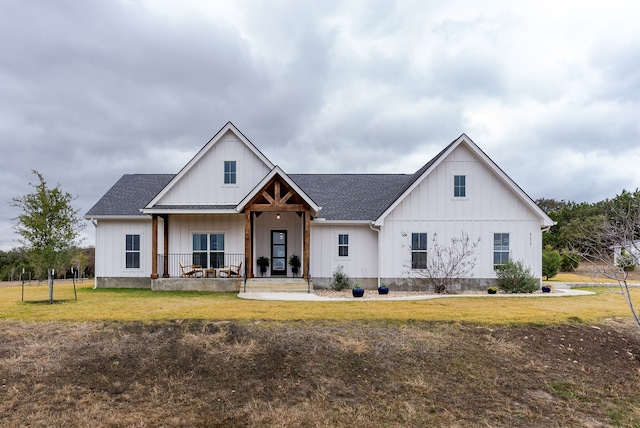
x=270, y=199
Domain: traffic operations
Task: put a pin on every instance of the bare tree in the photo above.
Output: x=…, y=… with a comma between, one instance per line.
x=611, y=246
x=443, y=265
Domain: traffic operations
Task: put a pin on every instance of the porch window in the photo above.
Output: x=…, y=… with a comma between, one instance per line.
x=459, y=186
x=418, y=251
x=500, y=249
x=132, y=251
x=229, y=172
x=208, y=250
x=343, y=245
x=216, y=247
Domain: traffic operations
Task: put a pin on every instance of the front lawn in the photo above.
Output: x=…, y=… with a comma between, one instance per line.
x=147, y=305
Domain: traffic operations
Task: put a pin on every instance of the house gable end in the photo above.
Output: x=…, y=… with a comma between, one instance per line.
x=457, y=147
x=220, y=174
x=276, y=191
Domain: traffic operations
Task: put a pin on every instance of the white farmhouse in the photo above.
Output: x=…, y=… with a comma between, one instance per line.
x=230, y=205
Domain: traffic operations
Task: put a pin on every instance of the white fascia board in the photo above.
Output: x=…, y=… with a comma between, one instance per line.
x=545, y=219
x=380, y=220
x=228, y=127
x=117, y=217
x=322, y=221
x=276, y=170
x=187, y=211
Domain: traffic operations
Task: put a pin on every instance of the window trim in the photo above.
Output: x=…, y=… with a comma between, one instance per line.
x=208, y=253
x=460, y=190
x=231, y=174
x=419, y=251
x=500, y=249
x=132, y=251
x=343, y=245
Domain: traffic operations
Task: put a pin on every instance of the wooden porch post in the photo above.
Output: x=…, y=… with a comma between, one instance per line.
x=247, y=243
x=154, y=246
x=307, y=241
x=165, y=266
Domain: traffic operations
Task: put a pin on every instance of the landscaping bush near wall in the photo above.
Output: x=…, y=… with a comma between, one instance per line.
x=514, y=277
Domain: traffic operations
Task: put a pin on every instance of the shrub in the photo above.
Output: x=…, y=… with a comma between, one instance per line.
x=570, y=261
x=551, y=262
x=514, y=277
x=626, y=261
x=340, y=280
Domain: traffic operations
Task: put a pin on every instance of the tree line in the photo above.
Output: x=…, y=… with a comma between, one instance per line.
x=16, y=265
x=571, y=239
x=574, y=218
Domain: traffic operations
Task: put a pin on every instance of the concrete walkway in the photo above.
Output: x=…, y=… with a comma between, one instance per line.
x=561, y=290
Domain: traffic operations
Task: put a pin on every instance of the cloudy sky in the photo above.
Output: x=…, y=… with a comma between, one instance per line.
x=92, y=90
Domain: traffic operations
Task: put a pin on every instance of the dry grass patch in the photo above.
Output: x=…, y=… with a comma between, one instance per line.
x=132, y=305
x=318, y=373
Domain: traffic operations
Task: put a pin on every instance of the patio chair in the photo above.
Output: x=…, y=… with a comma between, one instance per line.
x=191, y=271
x=232, y=271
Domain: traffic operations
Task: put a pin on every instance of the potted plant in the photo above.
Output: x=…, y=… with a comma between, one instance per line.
x=294, y=262
x=492, y=290
x=383, y=289
x=357, y=291
x=263, y=262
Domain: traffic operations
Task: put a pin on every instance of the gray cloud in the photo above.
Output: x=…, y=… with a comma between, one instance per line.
x=93, y=90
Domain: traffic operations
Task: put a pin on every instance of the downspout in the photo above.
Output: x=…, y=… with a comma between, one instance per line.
x=379, y=250
x=95, y=277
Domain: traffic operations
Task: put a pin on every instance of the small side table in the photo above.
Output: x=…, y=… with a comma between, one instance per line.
x=209, y=271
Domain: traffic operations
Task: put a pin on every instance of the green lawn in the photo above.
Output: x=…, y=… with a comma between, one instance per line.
x=146, y=305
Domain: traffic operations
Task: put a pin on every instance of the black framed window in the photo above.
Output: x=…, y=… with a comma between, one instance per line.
x=229, y=172
x=418, y=251
x=460, y=186
x=132, y=251
x=500, y=249
x=343, y=245
x=208, y=250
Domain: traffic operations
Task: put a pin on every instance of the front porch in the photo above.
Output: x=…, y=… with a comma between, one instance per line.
x=273, y=221
x=207, y=265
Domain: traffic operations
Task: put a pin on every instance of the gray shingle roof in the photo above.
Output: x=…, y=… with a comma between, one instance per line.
x=352, y=196
x=130, y=194
x=359, y=197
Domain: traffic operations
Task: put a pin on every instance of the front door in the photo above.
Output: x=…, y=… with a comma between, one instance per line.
x=278, y=252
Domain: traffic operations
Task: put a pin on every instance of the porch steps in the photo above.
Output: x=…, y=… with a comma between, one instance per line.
x=279, y=285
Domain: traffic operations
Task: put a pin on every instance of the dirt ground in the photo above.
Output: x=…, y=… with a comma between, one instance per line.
x=318, y=374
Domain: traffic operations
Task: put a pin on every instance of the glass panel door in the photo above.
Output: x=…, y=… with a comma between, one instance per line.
x=278, y=252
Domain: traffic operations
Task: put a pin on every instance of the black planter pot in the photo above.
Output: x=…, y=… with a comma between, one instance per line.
x=491, y=291
x=358, y=292
x=546, y=289
x=294, y=271
x=383, y=290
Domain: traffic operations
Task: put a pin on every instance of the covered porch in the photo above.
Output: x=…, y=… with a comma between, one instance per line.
x=277, y=223
x=272, y=221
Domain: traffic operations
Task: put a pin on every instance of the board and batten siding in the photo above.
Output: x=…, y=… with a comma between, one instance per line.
x=489, y=207
x=362, y=261
x=110, y=247
x=182, y=228
x=204, y=182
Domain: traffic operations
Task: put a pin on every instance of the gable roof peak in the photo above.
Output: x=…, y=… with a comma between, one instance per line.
x=228, y=127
